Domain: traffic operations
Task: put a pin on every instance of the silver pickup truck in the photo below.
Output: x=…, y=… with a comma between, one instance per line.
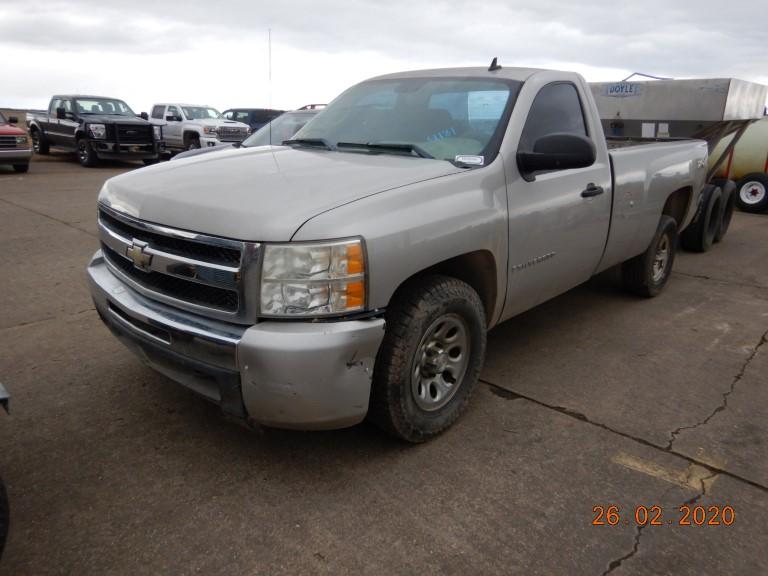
x=356, y=269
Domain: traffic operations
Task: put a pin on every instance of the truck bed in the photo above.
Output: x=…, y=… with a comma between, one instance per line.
x=618, y=142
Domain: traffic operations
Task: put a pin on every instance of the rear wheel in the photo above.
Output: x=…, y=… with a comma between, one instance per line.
x=752, y=193
x=39, y=143
x=21, y=167
x=430, y=360
x=647, y=274
x=700, y=234
x=85, y=154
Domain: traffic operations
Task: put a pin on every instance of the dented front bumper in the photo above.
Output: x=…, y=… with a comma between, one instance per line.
x=304, y=375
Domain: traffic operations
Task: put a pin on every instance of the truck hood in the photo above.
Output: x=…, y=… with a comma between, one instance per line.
x=219, y=122
x=113, y=119
x=11, y=130
x=260, y=194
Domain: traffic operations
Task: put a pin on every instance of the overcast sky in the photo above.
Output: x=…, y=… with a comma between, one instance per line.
x=217, y=52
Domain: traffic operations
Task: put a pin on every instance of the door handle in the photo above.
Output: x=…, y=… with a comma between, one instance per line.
x=592, y=190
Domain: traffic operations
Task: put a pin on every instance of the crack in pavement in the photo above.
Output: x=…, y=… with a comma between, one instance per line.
x=721, y=280
x=510, y=395
x=724, y=404
x=44, y=215
x=614, y=564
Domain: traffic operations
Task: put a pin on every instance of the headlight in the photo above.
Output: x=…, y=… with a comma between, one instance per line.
x=98, y=131
x=210, y=130
x=21, y=140
x=313, y=279
x=158, y=132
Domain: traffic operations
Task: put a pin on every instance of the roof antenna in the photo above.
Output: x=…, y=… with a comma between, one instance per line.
x=494, y=65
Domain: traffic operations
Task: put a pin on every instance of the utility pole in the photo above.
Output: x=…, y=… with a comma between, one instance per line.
x=269, y=42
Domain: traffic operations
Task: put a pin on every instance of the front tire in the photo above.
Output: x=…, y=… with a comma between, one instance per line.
x=192, y=142
x=647, y=274
x=85, y=154
x=752, y=193
x=430, y=360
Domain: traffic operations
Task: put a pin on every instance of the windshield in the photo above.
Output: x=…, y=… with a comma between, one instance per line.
x=281, y=128
x=442, y=117
x=200, y=113
x=103, y=106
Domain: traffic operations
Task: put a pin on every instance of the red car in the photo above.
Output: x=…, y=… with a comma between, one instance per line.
x=14, y=144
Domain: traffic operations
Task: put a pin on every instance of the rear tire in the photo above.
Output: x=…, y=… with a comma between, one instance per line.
x=85, y=154
x=430, y=360
x=752, y=193
x=647, y=274
x=21, y=168
x=700, y=234
x=39, y=143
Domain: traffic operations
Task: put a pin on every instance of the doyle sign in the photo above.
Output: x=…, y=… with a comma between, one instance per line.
x=622, y=90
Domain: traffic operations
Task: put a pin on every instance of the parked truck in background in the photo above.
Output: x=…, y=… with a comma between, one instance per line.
x=356, y=270
x=254, y=117
x=96, y=128
x=190, y=126
x=15, y=148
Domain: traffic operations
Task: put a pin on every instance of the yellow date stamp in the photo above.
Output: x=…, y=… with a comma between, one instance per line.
x=685, y=515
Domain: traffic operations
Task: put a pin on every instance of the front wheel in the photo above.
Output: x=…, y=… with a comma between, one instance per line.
x=647, y=274
x=752, y=193
x=39, y=143
x=430, y=360
x=85, y=154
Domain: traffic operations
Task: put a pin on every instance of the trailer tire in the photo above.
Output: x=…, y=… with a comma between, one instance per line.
x=700, y=234
x=40, y=144
x=729, y=202
x=430, y=360
x=647, y=274
x=752, y=193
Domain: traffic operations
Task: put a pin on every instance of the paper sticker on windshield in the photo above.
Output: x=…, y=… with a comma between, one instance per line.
x=470, y=160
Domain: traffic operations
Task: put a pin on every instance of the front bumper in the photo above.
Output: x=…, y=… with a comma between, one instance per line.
x=304, y=375
x=120, y=151
x=15, y=155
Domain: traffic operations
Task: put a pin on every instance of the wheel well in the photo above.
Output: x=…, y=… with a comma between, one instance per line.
x=191, y=135
x=478, y=269
x=677, y=205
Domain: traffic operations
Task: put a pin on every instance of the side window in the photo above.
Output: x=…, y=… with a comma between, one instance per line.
x=241, y=116
x=556, y=108
x=55, y=103
x=67, y=104
x=157, y=112
x=174, y=111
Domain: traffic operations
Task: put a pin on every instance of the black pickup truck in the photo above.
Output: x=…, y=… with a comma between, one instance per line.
x=95, y=127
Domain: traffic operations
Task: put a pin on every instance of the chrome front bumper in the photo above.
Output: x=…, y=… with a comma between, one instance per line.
x=304, y=375
x=15, y=155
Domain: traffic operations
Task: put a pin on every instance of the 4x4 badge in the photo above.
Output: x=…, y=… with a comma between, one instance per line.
x=137, y=252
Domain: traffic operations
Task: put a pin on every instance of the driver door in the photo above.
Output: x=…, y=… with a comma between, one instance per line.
x=173, y=131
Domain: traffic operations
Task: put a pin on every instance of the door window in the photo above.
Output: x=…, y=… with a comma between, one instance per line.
x=157, y=112
x=556, y=109
x=174, y=111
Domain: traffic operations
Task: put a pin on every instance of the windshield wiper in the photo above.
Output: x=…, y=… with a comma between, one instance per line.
x=312, y=142
x=396, y=147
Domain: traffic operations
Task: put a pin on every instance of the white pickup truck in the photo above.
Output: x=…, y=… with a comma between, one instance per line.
x=190, y=126
x=355, y=269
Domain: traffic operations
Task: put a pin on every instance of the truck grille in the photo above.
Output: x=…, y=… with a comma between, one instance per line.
x=204, y=274
x=232, y=133
x=134, y=133
x=7, y=141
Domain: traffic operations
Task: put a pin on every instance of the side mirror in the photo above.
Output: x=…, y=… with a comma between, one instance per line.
x=13, y=120
x=61, y=113
x=144, y=116
x=556, y=152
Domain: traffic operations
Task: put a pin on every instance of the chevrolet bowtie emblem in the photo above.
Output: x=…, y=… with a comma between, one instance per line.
x=137, y=252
